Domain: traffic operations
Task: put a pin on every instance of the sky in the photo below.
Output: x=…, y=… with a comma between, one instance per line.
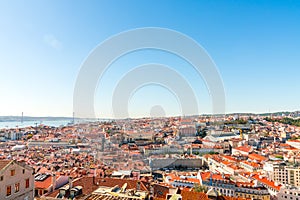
x=43, y=44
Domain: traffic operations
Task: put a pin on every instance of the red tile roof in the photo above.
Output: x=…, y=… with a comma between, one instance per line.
x=160, y=190
x=257, y=157
x=206, y=175
x=89, y=185
x=4, y=163
x=192, y=195
x=265, y=181
x=230, y=158
x=252, y=164
x=174, y=177
x=244, y=148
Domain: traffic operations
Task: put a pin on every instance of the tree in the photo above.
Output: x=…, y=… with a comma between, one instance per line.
x=202, y=132
x=200, y=188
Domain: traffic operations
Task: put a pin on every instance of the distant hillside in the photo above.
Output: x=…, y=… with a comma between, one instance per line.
x=286, y=120
x=28, y=118
x=293, y=114
x=282, y=113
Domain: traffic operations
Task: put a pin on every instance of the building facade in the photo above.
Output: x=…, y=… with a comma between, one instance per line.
x=289, y=194
x=16, y=181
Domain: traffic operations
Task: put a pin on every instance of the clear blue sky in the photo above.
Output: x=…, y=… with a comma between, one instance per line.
x=255, y=45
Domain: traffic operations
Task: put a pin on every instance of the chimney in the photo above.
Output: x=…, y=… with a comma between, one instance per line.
x=255, y=183
x=53, y=181
x=138, y=186
x=70, y=182
x=139, y=175
x=94, y=177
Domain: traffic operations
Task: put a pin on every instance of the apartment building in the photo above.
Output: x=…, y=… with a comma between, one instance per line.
x=280, y=174
x=283, y=174
x=293, y=176
x=292, y=193
x=16, y=181
x=243, y=190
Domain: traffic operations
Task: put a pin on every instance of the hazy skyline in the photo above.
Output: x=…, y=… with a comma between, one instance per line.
x=254, y=45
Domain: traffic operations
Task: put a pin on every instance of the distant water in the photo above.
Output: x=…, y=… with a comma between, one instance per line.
x=14, y=124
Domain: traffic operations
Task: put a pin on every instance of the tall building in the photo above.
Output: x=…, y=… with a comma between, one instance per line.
x=293, y=176
x=286, y=175
x=280, y=174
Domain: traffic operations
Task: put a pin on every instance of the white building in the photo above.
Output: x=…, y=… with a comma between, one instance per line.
x=289, y=193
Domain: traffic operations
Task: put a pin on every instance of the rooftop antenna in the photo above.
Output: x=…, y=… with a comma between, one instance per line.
x=22, y=118
x=36, y=127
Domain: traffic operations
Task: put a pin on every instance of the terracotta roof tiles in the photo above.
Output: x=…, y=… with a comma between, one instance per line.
x=4, y=163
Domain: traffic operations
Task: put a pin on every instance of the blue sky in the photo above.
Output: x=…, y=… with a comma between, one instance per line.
x=255, y=45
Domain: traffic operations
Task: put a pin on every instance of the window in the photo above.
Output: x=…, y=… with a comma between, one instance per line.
x=12, y=172
x=17, y=187
x=27, y=183
x=8, y=190
x=23, y=171
x=1, y=178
